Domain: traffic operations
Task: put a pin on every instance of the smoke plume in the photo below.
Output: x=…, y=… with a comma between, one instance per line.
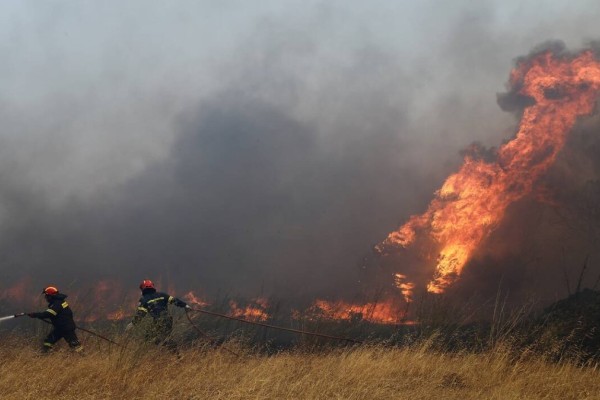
x=266, y=149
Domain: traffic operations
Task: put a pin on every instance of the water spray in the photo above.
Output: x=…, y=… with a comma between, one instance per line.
x=12, y=316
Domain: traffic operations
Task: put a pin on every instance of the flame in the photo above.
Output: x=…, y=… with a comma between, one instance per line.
x=105, y=300
x=191, y=298
x=406, y=288
x=386, y=312
x=117, y=315
x=108, y=300
x=22, y=295
x=20, y=292
x=472, y=202
x=252, y=312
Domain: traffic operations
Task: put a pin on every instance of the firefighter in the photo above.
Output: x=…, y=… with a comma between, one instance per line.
x=156, y=304
x=60, y=315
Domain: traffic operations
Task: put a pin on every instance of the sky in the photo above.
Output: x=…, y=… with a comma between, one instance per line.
x=244, y=147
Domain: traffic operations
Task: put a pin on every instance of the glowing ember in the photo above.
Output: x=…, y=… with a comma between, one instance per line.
x=474, y=200
x=252, y=312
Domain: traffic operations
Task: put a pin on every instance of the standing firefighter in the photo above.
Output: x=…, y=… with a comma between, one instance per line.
x=60, y=315
x=157, y=305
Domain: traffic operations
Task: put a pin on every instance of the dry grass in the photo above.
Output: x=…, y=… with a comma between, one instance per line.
x=370, y=372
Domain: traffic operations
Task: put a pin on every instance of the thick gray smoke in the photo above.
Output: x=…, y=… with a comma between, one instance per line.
x=243, y=148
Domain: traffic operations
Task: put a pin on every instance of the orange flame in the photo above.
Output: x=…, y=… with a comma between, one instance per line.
x=105, y=300
x=191, y=298
x=19, y=292
x=406, y=288
x=252, y=312
x=472, y=202
x=117, y=315
x=386, y=312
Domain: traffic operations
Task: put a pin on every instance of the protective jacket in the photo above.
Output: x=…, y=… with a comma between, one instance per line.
x=58, y=312
x=156, y=304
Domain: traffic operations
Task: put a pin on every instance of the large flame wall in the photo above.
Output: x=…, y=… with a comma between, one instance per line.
x=473, y=201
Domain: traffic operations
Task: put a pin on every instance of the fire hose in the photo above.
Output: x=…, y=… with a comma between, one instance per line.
x=210, y=339
x=77, y=327
x=281, y=328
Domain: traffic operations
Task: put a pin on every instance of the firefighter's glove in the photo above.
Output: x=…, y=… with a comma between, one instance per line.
x=129, y=327
x=180, y=303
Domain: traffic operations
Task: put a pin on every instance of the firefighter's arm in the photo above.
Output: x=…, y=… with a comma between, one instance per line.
x=50, y=312
x=140, y=313
x=177, y=302
x=40, y=315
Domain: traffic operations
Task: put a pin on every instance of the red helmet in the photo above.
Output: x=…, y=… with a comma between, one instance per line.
x=50, y=291
x=146, y=284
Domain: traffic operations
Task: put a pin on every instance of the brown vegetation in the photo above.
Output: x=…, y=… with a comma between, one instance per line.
x=367, y=372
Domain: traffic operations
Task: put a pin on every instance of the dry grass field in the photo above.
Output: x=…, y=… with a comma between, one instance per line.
x=367, y=372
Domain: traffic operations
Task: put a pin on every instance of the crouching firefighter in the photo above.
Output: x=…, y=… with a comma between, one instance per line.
x=156, y=304
x=60, y=315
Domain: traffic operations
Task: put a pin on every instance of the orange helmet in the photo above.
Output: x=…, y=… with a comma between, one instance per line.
x=50, y=291
x=146, y=284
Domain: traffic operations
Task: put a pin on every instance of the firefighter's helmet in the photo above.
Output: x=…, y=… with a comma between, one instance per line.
x=146, y=284
x=50, y=291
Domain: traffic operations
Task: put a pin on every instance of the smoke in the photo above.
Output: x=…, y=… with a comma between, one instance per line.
x=244, y=149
